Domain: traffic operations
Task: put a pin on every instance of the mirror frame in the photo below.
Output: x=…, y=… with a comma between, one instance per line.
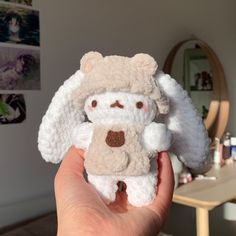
x=218, y=114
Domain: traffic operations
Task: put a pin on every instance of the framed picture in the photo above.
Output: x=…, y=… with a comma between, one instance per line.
x=19, y=68
x=198, y=79
x=197, y=72
x=19, y=25
x=12, y=108
x=24, y=2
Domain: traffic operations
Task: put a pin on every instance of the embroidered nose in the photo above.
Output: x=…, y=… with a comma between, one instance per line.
x=115, y=139
x=117, y=104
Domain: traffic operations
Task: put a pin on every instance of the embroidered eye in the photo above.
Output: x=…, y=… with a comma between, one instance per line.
x=94, y=103
x=139, y=105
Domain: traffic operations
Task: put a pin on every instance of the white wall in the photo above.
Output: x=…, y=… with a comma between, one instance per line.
x=71, y=28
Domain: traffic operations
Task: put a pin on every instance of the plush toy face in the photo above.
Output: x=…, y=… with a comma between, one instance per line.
x=120, y=107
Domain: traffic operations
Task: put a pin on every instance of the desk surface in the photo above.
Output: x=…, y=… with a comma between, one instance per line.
x=209, y=193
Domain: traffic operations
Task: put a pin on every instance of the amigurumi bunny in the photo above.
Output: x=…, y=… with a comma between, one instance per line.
x=122, y=99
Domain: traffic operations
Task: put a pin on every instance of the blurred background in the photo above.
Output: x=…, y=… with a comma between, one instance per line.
x=71, y=28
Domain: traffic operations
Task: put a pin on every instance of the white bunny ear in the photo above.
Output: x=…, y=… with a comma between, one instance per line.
x=190, y=138
x=54, y=137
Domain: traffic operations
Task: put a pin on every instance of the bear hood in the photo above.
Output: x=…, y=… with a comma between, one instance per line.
x=120, y=74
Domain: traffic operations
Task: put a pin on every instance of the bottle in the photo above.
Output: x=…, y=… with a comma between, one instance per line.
x=217, y=158
x=233, y=148
x=226, y=146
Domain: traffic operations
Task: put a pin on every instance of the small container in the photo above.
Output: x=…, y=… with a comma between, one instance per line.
x=217, y=158
x=185, y=178
x=229, y=211
x=226, y=146
x=233, y=147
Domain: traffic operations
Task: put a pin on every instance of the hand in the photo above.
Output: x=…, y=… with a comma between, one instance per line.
x=81, y=211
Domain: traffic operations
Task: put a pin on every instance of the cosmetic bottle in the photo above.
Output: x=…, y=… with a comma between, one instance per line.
x=217, y=158
x=226, y=146
x=233, y=148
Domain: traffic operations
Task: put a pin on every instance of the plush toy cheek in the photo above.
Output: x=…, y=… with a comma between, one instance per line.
x=90, y=108
x=145, y=109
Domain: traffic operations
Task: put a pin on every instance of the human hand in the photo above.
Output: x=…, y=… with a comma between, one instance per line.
x=81, y=211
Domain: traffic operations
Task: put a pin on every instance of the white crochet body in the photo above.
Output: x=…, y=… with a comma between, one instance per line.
x=63, y=125
x=141, y=190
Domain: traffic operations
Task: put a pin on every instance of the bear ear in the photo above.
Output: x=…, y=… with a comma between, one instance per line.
x=89, y=60
x=145, y=62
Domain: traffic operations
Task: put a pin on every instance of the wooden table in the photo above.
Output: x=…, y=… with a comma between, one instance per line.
x=205, y=195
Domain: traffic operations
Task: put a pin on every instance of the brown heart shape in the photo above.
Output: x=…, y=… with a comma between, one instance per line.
x=115, y=138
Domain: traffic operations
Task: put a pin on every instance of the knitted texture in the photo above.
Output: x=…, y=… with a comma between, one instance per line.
x=55, y=131
x=106, y=113
x=120, y=151
x=155, y=137
x=117, y=73
x=189, y=137
x=141, y=190
x=190, y=140
x=119, y=94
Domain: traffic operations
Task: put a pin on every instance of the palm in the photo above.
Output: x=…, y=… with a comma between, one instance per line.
x=78, y=199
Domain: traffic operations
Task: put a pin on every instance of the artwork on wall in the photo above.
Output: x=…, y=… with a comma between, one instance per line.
x=19, y=68
x=12, y=108
x=19, y=25
x=24, y=2
x=19, y=57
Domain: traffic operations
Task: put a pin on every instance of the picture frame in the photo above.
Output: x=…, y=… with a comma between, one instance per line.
x=19, y=68
x=19, y=25
x=23, y=2
x=197, y=72
x=12, y=109
x=198, y=79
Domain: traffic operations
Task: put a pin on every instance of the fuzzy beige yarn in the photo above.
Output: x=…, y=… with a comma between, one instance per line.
x=127, y=159
x=118, y=73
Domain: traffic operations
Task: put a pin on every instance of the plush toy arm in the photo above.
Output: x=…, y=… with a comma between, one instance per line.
x=82, y=135
x=156, y=137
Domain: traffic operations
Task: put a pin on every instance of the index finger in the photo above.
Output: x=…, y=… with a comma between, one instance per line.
x=165, y=189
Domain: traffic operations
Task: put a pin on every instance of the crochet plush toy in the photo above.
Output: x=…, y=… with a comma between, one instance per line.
x=112, y=108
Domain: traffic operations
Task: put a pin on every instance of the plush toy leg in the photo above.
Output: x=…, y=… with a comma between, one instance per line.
x=141, y=190
x=105, y=185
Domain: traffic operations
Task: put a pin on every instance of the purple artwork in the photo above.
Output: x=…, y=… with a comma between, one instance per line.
x=19, y=69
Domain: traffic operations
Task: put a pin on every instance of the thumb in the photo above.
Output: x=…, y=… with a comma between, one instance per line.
x=69, y=176
x=73, y=163
x=71, y=189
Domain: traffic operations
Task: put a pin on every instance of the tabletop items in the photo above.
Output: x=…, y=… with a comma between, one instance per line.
x=224, y=150
x=207, y=194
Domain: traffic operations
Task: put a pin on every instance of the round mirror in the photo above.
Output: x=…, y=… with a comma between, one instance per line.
x=196, y=67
